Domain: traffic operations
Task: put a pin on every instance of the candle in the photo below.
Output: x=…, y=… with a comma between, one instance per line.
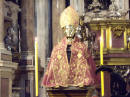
x=110, y=38
x=101, y=61
x=36, y=66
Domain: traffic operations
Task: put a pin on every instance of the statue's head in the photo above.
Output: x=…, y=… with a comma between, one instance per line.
x=69, y=21
x=69, y=31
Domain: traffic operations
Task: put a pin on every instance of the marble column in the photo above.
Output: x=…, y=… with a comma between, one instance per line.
x=57, y=7
x=42, y=29
x=27, y=28
x=27, y=47
x=78, y=5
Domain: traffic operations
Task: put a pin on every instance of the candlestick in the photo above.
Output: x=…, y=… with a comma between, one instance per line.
x=101, y=61
x=110, y=38
x=36, y=66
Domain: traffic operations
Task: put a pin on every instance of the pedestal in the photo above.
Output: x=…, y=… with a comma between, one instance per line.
x=7, y=69
x=71, y=92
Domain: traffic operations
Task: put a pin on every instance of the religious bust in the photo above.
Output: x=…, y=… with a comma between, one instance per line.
x=71, y=63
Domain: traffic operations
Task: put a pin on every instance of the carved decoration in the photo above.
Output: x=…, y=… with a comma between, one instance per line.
x=118, y=31
x=97, y=13
x=123, y=70
x=104, y=3
x=11, y=38
x=95, y=6
x=128, y=32
x=128, y=38
x=81, y=30
x=11, y=11
x=119, y=76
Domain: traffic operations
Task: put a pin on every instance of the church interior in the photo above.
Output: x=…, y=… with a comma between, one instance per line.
x=31, y=29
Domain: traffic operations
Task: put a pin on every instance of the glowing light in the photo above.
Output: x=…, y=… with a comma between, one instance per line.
x=36, y=66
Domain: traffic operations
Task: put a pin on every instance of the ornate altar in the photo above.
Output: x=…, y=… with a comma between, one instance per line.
x=116, y=40
x=116, y=46
x=113, y=28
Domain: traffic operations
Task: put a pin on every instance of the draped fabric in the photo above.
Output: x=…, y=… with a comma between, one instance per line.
x=80, y=71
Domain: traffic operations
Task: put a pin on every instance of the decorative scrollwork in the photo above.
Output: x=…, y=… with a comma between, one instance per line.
x=118, y=31
x=128, y=32
x=120, y=76
x=95, y=6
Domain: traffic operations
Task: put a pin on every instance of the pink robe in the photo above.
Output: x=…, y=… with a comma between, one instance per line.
x=79, y=72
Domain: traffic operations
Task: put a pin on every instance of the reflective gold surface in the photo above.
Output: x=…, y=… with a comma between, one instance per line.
x=118, y=29
x=115, y=27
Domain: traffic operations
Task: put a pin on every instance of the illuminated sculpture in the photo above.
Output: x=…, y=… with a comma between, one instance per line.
x=71, y=63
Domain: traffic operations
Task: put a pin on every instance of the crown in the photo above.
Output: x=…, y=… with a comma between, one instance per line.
x=69, y=17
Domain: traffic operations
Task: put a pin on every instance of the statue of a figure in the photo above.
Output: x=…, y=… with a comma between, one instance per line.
x=11, y=38
x=71, y=64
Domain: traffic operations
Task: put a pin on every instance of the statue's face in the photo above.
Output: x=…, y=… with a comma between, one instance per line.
x=69, y=31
